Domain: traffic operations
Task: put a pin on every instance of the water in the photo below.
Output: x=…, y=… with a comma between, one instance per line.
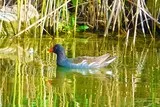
x=29, y=75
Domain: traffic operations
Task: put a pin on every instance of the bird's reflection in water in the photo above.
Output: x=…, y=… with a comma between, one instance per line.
x=66, y=75
x=104, y=71
x=80, y=71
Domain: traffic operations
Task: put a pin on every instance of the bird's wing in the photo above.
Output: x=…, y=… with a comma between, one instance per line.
x=92, y=62
x=108, y=61
x=89, y=59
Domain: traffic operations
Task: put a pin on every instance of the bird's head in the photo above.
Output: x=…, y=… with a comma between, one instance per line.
x=57, y=49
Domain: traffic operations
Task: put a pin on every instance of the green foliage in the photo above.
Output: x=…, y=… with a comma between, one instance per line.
x=82, y=28
x=64, y=27
x=74, y=2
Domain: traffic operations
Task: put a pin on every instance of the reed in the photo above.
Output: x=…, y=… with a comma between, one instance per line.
x=111, y=16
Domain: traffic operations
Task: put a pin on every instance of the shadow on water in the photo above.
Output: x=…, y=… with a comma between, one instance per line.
x=29, y=75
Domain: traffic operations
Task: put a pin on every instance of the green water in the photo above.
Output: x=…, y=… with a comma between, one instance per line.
x=29, y=75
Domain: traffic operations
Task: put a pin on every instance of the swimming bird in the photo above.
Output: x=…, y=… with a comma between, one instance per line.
x=84, y=62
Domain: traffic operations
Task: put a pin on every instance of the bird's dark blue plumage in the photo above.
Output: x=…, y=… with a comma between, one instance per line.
x=81, y=62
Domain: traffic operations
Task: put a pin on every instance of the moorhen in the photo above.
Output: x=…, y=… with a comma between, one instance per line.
x=84, y=62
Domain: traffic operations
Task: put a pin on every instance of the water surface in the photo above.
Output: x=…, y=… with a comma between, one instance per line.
x=29, y=75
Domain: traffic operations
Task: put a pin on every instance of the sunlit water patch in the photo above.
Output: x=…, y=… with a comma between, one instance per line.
x=29, y=75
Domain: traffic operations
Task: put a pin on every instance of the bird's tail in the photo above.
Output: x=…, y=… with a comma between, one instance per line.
x=108, y=61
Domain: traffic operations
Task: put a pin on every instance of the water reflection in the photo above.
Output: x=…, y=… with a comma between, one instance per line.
x=81, y=71
x=132, y=80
